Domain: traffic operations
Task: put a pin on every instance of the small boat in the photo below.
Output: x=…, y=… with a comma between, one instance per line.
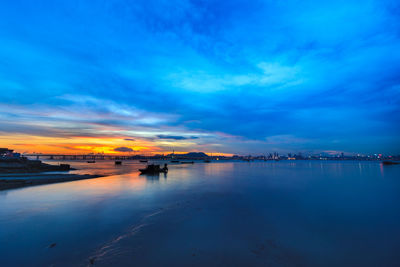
x=387, y=162
x=154, y=169
x=143, y=160
x=187, y=162
x=174, y=161
x=207, y=161
x=91, y=161
x=118, y=162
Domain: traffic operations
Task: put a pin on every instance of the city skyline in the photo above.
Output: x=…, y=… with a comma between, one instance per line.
x=237, y=77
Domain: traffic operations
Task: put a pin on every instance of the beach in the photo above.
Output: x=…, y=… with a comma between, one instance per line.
x=31, y=179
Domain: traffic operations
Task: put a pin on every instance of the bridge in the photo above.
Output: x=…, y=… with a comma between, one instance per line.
x=83, y=156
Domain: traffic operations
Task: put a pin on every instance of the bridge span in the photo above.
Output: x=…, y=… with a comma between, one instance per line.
x=82, y=157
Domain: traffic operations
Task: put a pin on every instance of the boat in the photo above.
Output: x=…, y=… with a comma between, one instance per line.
x=174, y=161
x=154, y=169
x=91, y=161
x=143, y=160
x=387, y=162
x=118, y=162
x=187, y=162
x=207, y=161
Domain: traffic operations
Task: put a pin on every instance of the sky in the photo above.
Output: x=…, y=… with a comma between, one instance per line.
x=234, y=77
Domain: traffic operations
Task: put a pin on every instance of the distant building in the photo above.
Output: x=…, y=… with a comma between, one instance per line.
x=5, y=152
x=8, y=153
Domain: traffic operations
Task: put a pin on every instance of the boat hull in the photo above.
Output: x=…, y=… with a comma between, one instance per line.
x=145, y=171
x=390, y=163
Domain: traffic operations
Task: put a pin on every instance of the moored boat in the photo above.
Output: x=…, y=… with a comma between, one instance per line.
x=388, y=162
x=154, y=169
x=118, y=162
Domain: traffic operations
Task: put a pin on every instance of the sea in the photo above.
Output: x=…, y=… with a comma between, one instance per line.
x=223, y=213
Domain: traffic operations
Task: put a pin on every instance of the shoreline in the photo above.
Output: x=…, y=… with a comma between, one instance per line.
x=25, y=179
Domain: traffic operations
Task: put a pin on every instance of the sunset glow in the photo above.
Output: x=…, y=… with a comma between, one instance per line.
x=214, y=76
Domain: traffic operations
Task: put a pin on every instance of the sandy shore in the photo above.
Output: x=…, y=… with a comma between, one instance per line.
x=21, y=180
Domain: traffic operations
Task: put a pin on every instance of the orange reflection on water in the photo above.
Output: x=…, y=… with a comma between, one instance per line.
x=105, y=186
x=218, y=168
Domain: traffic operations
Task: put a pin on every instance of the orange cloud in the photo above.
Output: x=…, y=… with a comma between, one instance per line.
x=25, y=143
x=74, y=145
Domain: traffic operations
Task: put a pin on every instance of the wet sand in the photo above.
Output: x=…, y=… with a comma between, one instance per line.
x=201, y=230
x=22, y=180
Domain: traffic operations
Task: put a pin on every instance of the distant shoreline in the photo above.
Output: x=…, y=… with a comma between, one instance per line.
x=11, y=182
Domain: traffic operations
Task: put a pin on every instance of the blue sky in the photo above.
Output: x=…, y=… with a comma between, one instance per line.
x=215, y=76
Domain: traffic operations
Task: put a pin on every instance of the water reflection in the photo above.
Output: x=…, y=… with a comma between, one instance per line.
x=153, y=176
x=218, y=168
x=233, y=208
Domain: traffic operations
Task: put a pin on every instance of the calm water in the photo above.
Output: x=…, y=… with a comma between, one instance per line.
x=304, y=213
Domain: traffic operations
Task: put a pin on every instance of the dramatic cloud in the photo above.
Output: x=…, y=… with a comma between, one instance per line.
x=175, y=137
x=243, y=76
x=123, y=149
